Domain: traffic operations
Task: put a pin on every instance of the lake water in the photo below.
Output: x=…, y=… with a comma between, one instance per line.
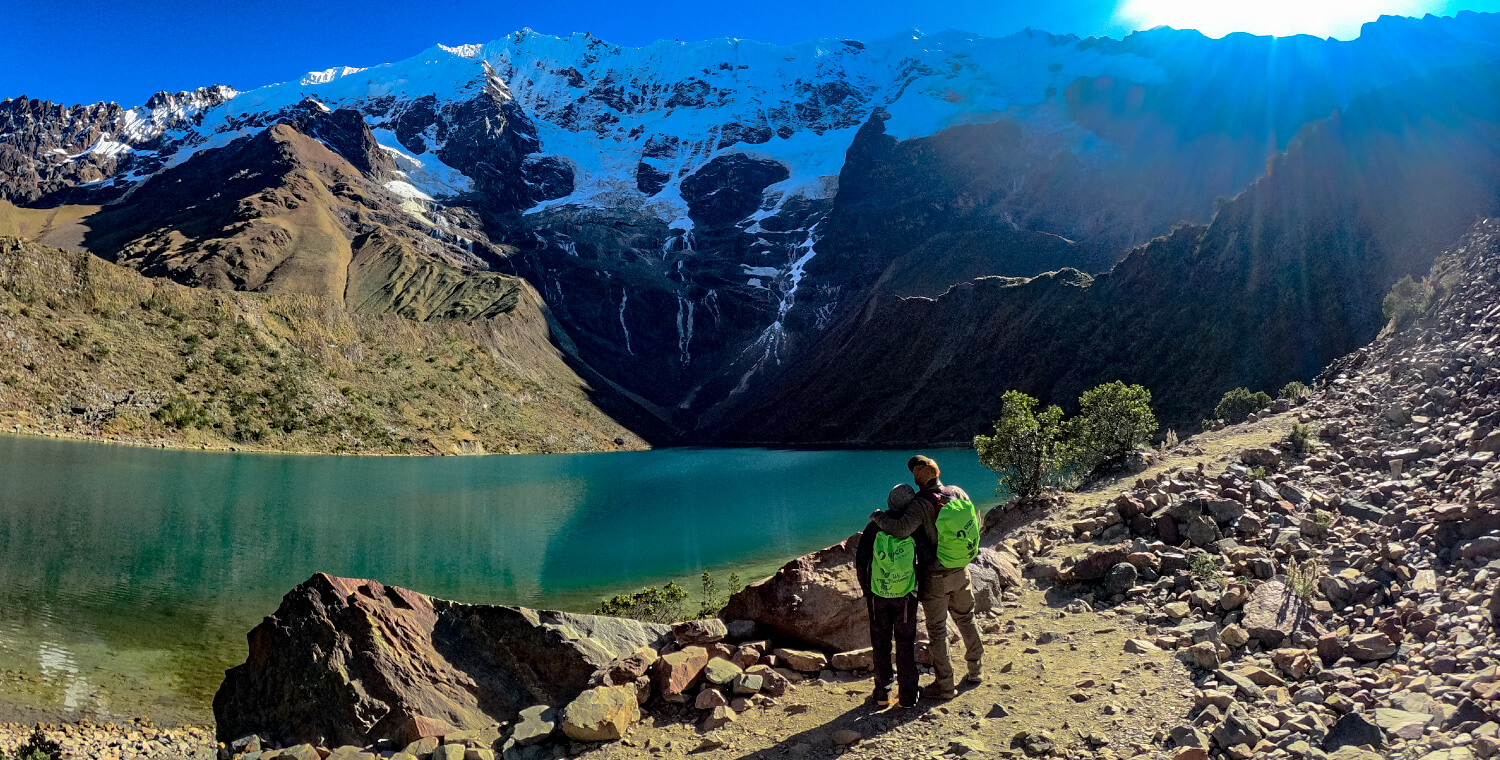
x=129, y=577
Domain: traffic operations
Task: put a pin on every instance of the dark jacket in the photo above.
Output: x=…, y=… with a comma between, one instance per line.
x=920, y=519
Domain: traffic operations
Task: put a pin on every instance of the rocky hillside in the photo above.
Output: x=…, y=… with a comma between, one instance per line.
x=92, y=349
x=700, y=218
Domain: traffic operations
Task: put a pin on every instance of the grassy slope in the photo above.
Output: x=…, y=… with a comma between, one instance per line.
x=88, y=348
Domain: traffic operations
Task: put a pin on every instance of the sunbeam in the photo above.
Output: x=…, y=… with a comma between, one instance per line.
x=1216, y=18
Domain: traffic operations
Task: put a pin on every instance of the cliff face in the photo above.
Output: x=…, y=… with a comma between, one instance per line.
x=1288, y=277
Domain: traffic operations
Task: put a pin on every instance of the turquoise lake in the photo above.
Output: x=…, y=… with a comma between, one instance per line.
x=129, y=576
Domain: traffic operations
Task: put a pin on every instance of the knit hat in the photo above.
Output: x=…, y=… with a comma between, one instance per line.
x=900, y=496
x=923, y=469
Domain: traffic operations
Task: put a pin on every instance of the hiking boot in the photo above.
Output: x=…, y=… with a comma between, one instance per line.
x=934, y=691
x=883, y=698
x=907, y=704
x=975, y=676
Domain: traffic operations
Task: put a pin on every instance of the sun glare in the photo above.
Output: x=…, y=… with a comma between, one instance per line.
x=1216, y=18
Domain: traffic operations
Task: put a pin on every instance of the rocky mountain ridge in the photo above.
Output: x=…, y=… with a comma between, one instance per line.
x=699, y=216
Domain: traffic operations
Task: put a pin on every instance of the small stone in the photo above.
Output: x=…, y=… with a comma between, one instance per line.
x=1234, y=636
x=968, y=745
x=720, y=717
x=749, y=683
x=708, y=699
x=1368, y=647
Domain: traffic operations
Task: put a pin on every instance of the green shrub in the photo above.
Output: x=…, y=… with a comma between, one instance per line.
x=1028, y=451
x=1113, y=419
x=1295, y=392
x=1406, y=301
x=1301, y=438
x=653, y=604
x=1205, y=567
x=1303, y=579
x=1239, y=404
x=180, y=412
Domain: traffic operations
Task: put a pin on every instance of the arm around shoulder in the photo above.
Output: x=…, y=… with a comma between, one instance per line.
x=902, y=523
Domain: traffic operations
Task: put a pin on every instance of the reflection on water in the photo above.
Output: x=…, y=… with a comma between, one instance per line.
x=132, y=575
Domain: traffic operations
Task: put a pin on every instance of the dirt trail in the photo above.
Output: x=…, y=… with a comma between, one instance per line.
x=1077, y=686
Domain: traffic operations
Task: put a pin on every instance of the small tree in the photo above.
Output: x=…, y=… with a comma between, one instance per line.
x=1295, y=392
x=1240, y=403
x=712, y=602
x=1028, y=450
x=1113, y=419
x=1406, y=301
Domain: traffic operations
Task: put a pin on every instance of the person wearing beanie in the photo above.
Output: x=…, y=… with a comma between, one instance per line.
x=944, y=591
x=893, y=614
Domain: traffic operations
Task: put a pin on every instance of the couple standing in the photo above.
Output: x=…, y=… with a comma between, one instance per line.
x=919, y=548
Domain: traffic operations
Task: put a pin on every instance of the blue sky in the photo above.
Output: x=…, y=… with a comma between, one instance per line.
x=76, y=51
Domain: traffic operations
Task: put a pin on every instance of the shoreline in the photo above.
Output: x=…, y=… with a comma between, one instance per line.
x=9, y=427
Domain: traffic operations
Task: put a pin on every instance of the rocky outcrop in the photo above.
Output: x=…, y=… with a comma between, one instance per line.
x=347, y=661
x=816, y=598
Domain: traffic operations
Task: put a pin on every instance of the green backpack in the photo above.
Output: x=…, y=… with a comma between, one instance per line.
x=893, y=572
x=957, y=530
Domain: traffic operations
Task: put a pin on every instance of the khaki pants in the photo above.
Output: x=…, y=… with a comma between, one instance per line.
x=947, y=594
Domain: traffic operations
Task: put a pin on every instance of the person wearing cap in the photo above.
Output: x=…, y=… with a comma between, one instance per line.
x=944, y=591
x=892, y=617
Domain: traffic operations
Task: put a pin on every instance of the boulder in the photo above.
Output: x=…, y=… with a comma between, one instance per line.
x=990, y=574
x=720, y=671
x=1238, y=728
x=1096, y=564
x=601, y=714
x=350, y=661
x=1259, y=457
x=535, y=725
x=1120, y=578
x=1203, y=531
x=676, y=671
x=857, y=659
x=1224, y=510
x=700, y=632
x=814, y=599
x=1274, y=614
x=802, y=659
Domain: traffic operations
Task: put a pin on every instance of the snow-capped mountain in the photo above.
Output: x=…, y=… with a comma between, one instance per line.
x=693, y=212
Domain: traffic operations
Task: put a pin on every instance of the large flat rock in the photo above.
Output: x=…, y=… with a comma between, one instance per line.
x=349, y=661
